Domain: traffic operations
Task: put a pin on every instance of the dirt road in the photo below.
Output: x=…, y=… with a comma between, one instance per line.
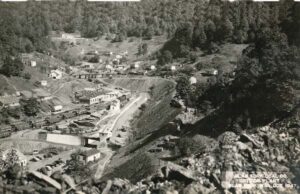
x=123, y=120
x=106, y=154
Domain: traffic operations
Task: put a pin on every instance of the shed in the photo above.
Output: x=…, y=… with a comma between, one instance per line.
x=44, y=83
x=32, y=63
x=152, y=67
x=193, y=80
x=90, y=155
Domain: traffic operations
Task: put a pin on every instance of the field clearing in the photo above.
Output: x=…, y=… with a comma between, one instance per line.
x=5, y=87
x=142, y=84
x=102, y=45
x=64, y=89
x=226, y=59
x=27, y=134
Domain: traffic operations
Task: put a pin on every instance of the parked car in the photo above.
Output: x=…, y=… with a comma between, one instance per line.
x=53, y=153
x=34, y=152
x=39, y=157
x=49, y=168
x=34, y=159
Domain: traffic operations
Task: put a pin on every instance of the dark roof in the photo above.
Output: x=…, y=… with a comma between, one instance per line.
x=85, y=94
x=53, y=119
x=90, y=152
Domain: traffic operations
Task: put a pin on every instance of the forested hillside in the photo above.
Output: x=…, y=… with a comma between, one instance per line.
x=194, y=23
x=271, y=29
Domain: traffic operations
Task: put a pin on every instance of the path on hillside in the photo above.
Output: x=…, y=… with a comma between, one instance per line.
x=59, y=88
x=8, y=82
x=101, y=164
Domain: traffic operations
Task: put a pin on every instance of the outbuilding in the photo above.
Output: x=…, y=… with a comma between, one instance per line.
x=57, y=108
x=33, y=63
x=44, y=83
x=173, y=68
x=193, y=80
x=90, y=155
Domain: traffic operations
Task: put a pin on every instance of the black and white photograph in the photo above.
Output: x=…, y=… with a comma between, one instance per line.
x=149, y=96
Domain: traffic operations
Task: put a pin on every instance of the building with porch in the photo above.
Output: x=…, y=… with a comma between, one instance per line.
x=91, y=155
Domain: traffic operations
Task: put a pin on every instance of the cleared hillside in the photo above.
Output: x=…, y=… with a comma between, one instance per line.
x=139, y=84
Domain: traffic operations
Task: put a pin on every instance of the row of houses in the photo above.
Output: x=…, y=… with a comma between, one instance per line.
x=38, y=122
x=5, y=131
x=96, y=96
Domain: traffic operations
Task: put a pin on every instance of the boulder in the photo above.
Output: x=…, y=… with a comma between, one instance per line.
x=247, y=138
x=196, y=188
x=241, y=146
x=227, y=138
x=175, y=172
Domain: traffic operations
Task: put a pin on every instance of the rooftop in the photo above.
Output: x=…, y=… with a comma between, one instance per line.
x=90, y=152
x=48, y=179
x=88, y=94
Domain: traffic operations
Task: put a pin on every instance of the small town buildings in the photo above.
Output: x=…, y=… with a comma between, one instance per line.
x=213, y=72
x=123, y=99
x=210, y=72
x=90, y=155
x=5, y=131
x=152, y=67
x=33, y=63
x=42, y=135
x=115, y=106
x=52, y=120
x=37, y=122
x=96, y=96
x=70, y=36
x=119, y=57
x=121, y=67
x=103, y=136
x=156, y=149
x=110, y=96
x=57, y=108
x=109, y=67
x=44, y=83
x=9, y=101
x=173, y=68
x=90, y=96
x=109, y=53
x=20, y=125
x=116, y=61
x=56, y=74
x=87, y=66
x=193, y=80
x=137, y=64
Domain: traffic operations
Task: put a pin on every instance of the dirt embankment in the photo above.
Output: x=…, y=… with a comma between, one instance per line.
x=142, y=84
